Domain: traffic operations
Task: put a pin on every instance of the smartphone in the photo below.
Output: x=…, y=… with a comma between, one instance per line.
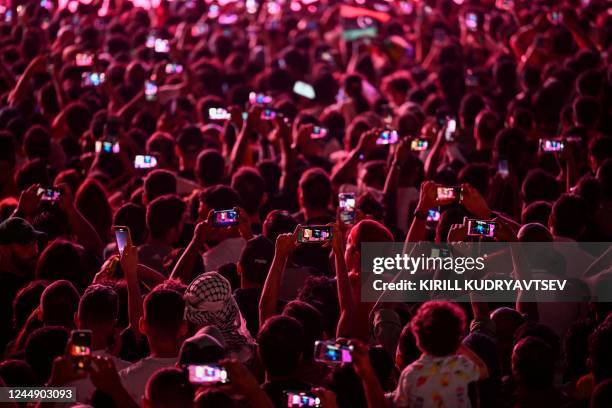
x=218, y=114
x=80, y=348
x=450, y=129
x=419, y=145
x=145, y=161
x=303, y=89
x=46, y=4
x=92, y=78
x=172, y=68
x=387, y=137
x=314, y=234
x=471, y=21
x=106, y=146
x=49, y=193
x=268, y=114
x=122, y=236
x=433, y=215
x=448, y=193
x=150, y=90
x=84, y=59
x=207, y=374
x=199, y=29
x=161, y=46
x=228, y=19
x=225, y=218
x=347, y=204
x=551, y=145
x=555, y=17
x=259, y=99
x=318, y=132
x=502, y=168
x=297, y=399
x=479, y=228
x=332, y=352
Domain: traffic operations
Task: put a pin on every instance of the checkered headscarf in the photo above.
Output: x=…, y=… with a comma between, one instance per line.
x=209, y=302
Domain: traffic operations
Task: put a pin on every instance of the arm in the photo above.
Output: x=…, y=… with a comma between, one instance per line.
x=374, y=392
x=22, y=88
x=244, y=383
x=105, y=378
x=149, y=276
x=86, y=235
x=285, y=244
x=347, y=170
x=348, y=307
x=435, y=155
x=240, y=147
x=184, y=267
x=129, y=265
x=427, y=200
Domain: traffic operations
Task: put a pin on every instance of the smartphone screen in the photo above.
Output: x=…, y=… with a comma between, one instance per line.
x=161, y=46
x=49, y=193
x=449, y=131
x=332, y=352
x=303, y=89
x=122, y=236
x=471, y=21
x=318, y=133
x=433, y=215
x=478, y=228
x=551, y=145
x=92, y=78
x=419, y=145
x=387, y=137
x=225, y=218
x=150, y=90
x=218, y=114
x=84, y=59
x=80, y=348
x=172, y=68
x=314, y=234
x=259, y=99
x=448, y=193
x=268, y=114
x=145, y=161
x=346, y=202
x=502, y=167
x=296, y=399
x=106, y=146
x=207, y=374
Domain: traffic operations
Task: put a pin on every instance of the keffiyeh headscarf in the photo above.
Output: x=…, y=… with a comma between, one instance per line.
x=209, y=301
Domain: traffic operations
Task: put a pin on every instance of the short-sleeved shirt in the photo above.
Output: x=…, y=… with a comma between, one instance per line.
x=440, y=382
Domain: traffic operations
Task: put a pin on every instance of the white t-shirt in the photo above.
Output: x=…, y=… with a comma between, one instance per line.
x=229, y=250
x=436, y=382
x=136, y=376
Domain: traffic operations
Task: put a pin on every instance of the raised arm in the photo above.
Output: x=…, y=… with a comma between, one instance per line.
x=285, y=244
x=129, y=265
x=183, y=270
x=374, y=393
x=237, y=156
x=347, y=170
x=427, y=200
x=348, y=307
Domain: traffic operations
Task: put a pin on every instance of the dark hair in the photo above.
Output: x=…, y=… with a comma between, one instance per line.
x=569, y=216
x=311, y=320
x=407, y=346
x=92, y=202
x=163, y=214
x=162, y=144
x=438, y=327
x=250, y=186
x=278, y=222
x=42, y=347
x=210, y=167
x=537, y=211
x=99, y=305
x=168, y=387
x=37, y=143
x=601, y=148
x=133, y=216
x=316, y=189
x=533, y=364
x=164, y=312
x=280, y=345
x=26, y=300
x=58, y=303
x=220, y=197
x=540, y=185
x=600, y=354
x=62, y=259
x=17, y=373
x=158, y=183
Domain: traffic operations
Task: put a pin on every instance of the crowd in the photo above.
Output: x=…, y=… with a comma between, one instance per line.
x=160, y=168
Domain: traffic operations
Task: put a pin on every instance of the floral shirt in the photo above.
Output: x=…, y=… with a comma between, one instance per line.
x=436, y=382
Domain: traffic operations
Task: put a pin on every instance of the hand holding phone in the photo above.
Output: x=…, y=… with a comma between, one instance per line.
x=332, y=352
x=150, y=90
x=225, y=218
x=347, y=204
x=318, y=132
x=448, y=194
x=218, y=114
x=419, y=145
x=107, y=146
x=122, y=237
x=207, y=374
x=480, y=228
x=144, y=162
x=80, y=349
x=551, y=145
x=297, y=399
x=387, y=137
x=314, y=234
x=51, y=194
x=450, y=129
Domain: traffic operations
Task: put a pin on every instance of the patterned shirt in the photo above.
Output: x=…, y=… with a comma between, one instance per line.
x=436, y=382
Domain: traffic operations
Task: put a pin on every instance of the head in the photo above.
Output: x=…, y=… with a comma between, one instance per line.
x=600, y=356
x=533, y=364
x=62, y=259
x=315, y=190
x=278, y=222
x=92, y=202
x=165, y=218
x=407, y=350
x=600, y=149
x=251, y=187
x=58, y=304
x=134, y=217
x=280, y=346
x=98, y=312
x=158, y=183
x=210, y=167
x=438, y=328
x=311, y=320
x=189, y=143
x=255, y=261
x=19, y=245
x=364, y=231
x=42, y=347
x=168, y=387
x=163, y=320
x=540, y=185
x=568, y=217
x=538, y=211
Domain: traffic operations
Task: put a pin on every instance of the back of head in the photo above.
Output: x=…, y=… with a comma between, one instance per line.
x=210, y=167
x=600, y=353
x=163, y=214
x=604, y=176
x=534, y=232
x=569, y=216
x=280, y=345
x=407, y=349
x=369, y=231
x=256, y=259
x=163, y=313
x=59, y=302
x=533, y=364
x=536, y=212
x=316, y=189
x=438, y=327
x=157, y=183
x=540, y=185
x=99, y=306
x=310, y=319
x=220, y=197
x=250, y=186
x=278, y=222
x=133, y=216
x=168, y=387
x=42, y=346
